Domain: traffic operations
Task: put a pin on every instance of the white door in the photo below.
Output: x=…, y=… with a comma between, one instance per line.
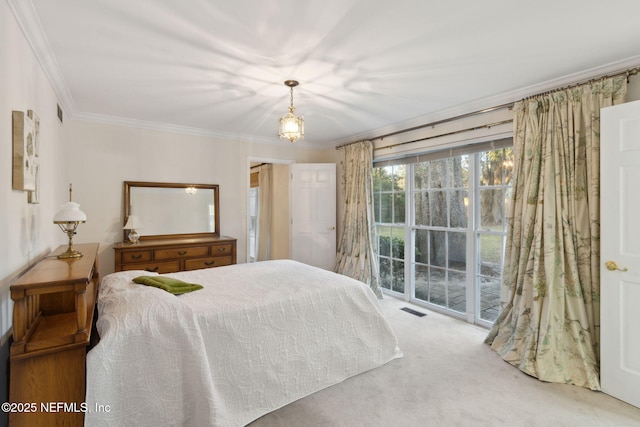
x=620, y=252
x=313, y=214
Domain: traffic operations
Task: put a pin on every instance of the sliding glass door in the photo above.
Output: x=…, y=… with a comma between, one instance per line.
x=493, y=195
x=441, y=230
x=440, y=189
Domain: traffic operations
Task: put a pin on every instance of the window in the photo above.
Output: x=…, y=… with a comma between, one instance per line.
x=453, y=231
x=389, y=205
x=494, y=192
x=440, y=190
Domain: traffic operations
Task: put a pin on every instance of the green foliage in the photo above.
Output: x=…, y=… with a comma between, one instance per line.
x=391, y=270
x=389, y=194
x=391, y=246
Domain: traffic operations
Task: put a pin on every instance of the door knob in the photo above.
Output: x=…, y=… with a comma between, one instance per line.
x=612, y=266
x=332, y=228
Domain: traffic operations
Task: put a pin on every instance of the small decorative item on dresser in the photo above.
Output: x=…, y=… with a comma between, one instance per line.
x=68, y=218
x=133, y=222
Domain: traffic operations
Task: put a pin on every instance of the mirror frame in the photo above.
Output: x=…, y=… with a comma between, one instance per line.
x=127, y=207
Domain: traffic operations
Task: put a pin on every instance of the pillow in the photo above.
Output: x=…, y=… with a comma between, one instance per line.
x=169, y=284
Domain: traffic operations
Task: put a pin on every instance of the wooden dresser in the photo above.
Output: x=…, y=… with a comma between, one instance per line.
x=53, y=309
x=171, y=255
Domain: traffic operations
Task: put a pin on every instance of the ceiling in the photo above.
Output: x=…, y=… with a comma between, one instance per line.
x=217, y=67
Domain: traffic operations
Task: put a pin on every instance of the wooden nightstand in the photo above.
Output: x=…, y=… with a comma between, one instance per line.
x=52, y=321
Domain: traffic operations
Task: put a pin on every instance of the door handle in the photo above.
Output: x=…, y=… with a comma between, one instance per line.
x=332, y=228
x=612, y=266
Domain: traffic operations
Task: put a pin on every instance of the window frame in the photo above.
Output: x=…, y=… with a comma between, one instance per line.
x=473, y=233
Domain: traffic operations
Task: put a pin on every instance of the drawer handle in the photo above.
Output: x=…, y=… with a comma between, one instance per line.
x=222, y=249
x=152, y=269
x=208, y=263
x=136, y=256
x=182, y=252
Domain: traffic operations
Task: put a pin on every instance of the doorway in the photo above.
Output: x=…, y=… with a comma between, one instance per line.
x=268, y=210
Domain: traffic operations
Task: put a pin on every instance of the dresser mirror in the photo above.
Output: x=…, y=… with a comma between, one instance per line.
x=170, y=210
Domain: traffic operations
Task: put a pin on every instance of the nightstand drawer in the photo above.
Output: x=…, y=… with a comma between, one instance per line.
x=188, y=252
x=218, y=261
x=155, y=267
x=135, y=256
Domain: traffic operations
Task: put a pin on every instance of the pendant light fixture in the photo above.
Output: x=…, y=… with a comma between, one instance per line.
x=291, y=127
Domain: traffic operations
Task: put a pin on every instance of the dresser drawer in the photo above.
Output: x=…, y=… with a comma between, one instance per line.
x=188, y=252
x=218, y=261
x=172, y=255
x=221, y=250
x=135, y=256
x=155, y=267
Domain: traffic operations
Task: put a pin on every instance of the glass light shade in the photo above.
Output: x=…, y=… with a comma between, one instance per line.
x=291, y=127
x=68, y=219
x=70, y=212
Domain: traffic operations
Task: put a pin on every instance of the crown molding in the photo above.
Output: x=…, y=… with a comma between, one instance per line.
x=184, y=130
x=504, y=98
x=28, y=20
x=31, y=27
x=480, y=104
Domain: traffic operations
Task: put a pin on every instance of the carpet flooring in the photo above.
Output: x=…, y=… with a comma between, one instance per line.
x=449, y=377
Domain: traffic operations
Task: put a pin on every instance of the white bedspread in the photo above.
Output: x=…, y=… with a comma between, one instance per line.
x=257, y=337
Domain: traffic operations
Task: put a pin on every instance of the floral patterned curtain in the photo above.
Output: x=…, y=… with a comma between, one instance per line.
x=550, y=300
x=356, y=250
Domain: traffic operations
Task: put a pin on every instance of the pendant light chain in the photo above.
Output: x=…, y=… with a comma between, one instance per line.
x=291, y=99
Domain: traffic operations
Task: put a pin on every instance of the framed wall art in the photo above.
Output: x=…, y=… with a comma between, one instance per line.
x=34, y=196
x=25, y=169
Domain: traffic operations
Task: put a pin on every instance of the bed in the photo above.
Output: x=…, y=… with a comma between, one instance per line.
x=256, y=337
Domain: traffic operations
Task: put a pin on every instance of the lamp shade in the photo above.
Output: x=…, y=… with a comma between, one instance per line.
x=133, y=222
x=70, y=212
x=291, y=127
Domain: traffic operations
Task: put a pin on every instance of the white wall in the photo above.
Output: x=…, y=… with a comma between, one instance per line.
x=102, y=156
x=26, y=230
x=633, y=89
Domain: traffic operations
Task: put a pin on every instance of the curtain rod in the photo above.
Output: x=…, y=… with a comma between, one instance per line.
x=260, y=165
x=437, y=122
x=629, y=72
x=487, y=126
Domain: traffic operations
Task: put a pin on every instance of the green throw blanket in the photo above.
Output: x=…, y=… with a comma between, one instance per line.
x=169, y=284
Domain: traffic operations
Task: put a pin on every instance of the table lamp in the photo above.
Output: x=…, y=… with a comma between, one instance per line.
x=68, y=218
x=133, y=222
